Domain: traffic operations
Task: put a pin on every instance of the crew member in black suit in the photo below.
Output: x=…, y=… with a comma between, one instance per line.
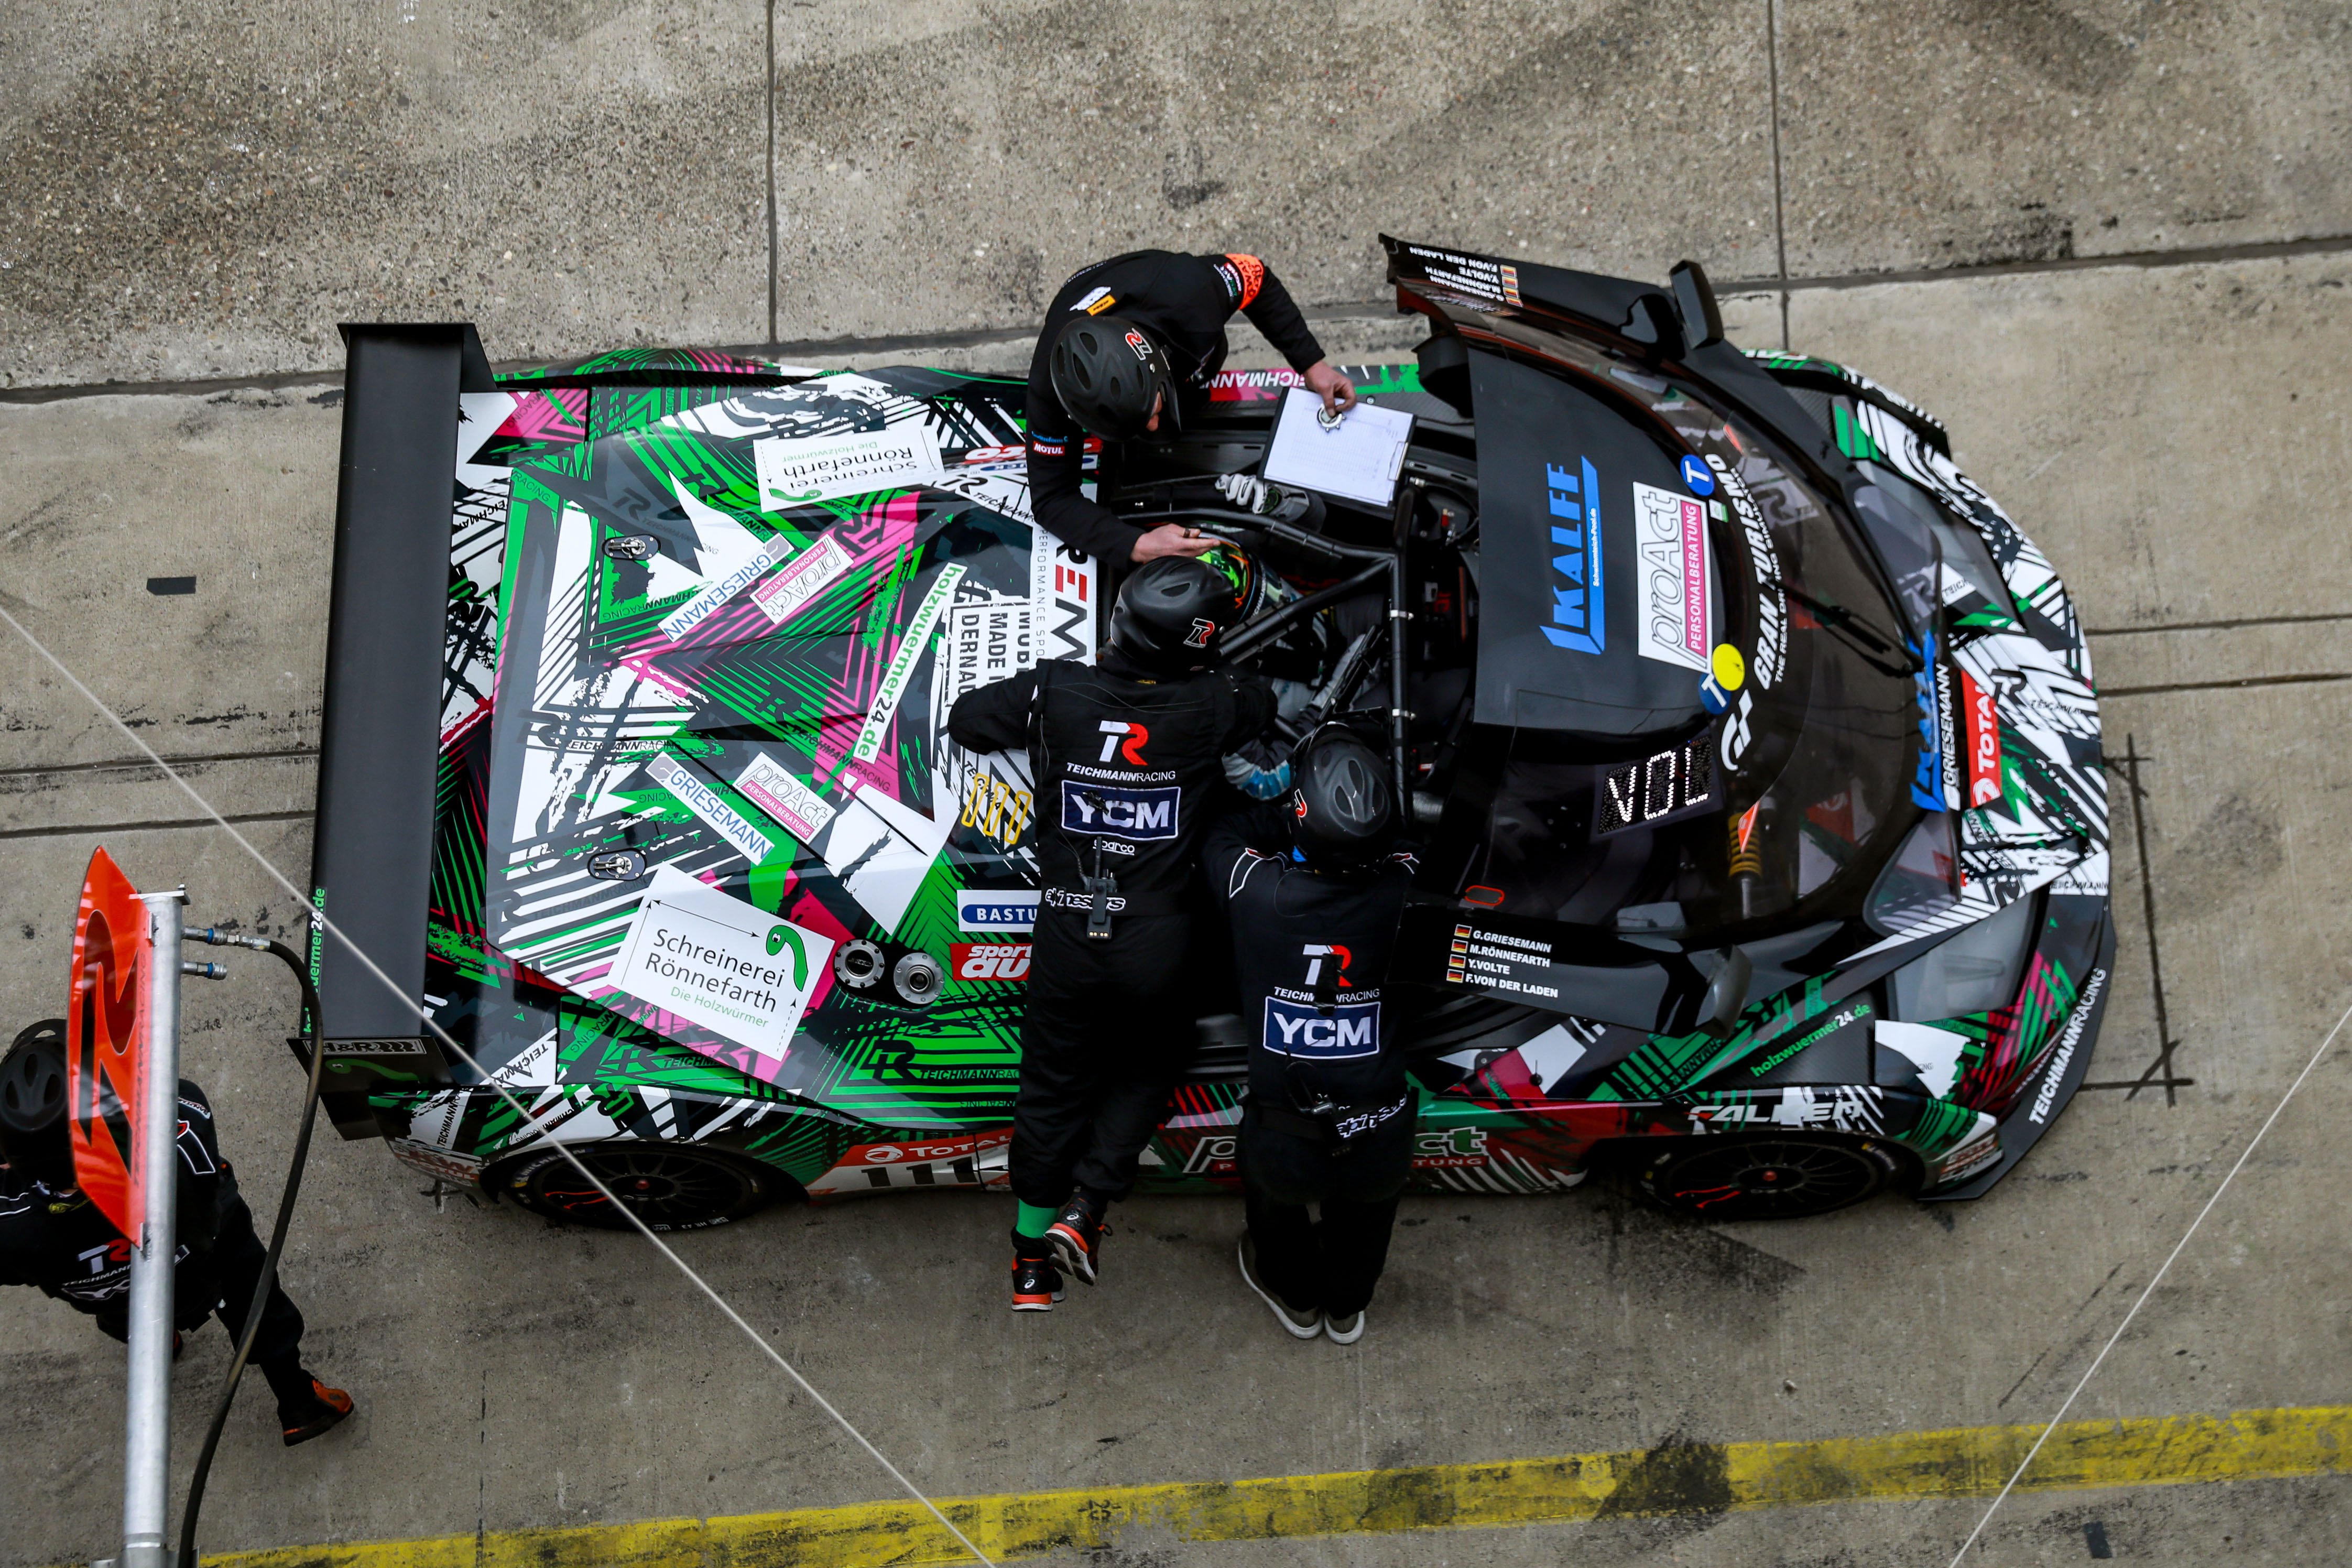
x=1126, y=342
x=53, y=1237
x=1126, y=754
x=1314, y=888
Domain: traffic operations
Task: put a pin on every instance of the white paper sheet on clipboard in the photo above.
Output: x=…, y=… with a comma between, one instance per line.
x=1357, y=459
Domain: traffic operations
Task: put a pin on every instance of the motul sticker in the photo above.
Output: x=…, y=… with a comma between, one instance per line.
x=1984, y=740
x=988, y=960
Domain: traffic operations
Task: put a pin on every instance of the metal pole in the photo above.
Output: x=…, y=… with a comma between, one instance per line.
x=147, y=1411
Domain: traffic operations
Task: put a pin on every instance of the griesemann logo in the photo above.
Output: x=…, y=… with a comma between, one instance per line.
x=1125, y=739
x=1579, y=613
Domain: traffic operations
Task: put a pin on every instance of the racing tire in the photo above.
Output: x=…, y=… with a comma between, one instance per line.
x=1717, y=1179
x=670, y=1187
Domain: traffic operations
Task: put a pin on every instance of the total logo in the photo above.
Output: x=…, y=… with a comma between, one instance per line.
x=1127, y=739
x=1984, y=740
x=988, y=960
x=961, y=1148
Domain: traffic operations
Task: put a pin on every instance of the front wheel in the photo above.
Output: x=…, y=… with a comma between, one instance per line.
x=669, y=1186
x=1764, y=1178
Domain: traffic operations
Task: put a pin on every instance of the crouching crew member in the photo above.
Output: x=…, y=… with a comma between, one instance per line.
x=1125, y=342
x=1125, y=753
x=1330, y=1117
x=52, y=1235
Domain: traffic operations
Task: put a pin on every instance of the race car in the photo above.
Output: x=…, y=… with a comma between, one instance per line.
x=1752, y=753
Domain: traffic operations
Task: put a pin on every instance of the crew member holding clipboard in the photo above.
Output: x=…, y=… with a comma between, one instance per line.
x=1124, y=343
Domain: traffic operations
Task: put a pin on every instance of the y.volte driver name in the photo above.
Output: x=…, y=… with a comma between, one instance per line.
x=672, y=958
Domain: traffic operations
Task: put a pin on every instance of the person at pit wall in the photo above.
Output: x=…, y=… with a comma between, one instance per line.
x=1126, y=344
x=54, y=1237
x=1127, y=754
x=1313, y=889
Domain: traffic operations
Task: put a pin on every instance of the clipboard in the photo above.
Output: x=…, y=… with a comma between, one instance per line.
x=1357, y=459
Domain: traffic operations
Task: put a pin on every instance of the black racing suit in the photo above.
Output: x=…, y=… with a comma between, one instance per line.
x=1127, y=767
x=1311, y=951
x=1185, y=302
x=56, y=1239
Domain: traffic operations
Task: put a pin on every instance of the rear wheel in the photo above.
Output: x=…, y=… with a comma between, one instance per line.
x=670, y=1187
x=1764, y=1178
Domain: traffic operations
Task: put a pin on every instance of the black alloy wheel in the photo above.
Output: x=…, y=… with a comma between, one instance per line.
x=1764, y=1178
x=670, y=1187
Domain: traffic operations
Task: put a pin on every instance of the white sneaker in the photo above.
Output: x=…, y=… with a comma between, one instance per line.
x=1302, y=1325
x=1345, y=1330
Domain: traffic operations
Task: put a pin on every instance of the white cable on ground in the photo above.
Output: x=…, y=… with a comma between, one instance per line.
x=521, y=1109
x=2149, y=1290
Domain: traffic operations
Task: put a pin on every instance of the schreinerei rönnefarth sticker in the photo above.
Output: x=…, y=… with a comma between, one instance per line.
x=730, y=966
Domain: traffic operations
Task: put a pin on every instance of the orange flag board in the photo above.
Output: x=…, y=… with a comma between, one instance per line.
x=106, y=1045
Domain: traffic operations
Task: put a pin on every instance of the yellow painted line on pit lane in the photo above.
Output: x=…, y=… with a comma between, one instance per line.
x=1684, y=1479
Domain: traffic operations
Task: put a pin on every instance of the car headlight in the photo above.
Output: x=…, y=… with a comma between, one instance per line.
x=1974, y=970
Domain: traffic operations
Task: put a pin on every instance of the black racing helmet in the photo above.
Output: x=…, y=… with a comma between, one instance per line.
x=1173, y=612
x=33, y=1103
x=1110, y=375
x=1342, y=812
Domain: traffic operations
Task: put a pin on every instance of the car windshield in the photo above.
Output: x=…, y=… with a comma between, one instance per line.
x=1664, y=819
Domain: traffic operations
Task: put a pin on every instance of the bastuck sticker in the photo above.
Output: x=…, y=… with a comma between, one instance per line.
x=997, y=909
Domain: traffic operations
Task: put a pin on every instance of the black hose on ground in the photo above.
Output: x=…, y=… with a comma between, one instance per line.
x=301, y=969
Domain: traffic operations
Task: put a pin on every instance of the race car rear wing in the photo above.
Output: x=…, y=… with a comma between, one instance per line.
x=371, y=860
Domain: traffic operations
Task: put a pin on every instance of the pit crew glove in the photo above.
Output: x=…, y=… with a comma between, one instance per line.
x=1249, y=492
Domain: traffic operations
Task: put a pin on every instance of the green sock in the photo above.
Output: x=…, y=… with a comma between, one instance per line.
x=1035, y=1220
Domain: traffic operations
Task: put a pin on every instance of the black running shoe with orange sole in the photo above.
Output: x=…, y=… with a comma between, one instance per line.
x=1036, y=1285
x=1076, y=1236
x=328, y=1406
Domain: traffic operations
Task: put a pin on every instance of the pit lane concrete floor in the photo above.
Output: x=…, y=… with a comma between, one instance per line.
x=2105, y=237
x=2170, y=435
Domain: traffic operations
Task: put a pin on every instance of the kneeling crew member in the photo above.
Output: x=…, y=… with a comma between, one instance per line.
x=52, y=1235
x=1123, y=342
x=1125, y=753
x=1330, y=1117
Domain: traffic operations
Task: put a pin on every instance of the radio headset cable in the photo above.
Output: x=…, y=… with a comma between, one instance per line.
x=313, y=1058
x=424, y=1017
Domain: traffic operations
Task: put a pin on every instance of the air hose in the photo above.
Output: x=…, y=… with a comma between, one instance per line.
x=314, y=1059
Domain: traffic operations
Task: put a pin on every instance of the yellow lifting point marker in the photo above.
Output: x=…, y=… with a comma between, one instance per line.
x=1730, y=670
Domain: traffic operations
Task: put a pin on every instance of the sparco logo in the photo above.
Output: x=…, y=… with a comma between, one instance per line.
x=2065, y=1051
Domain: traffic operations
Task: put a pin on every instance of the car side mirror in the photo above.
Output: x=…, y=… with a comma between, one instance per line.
x=1727, y=993
x=1695, y=302
x=1652, y=322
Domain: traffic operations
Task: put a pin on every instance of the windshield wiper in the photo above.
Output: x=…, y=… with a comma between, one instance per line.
x=1860, y=635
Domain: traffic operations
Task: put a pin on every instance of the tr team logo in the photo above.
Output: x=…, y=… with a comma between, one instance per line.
x=1125, y=739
